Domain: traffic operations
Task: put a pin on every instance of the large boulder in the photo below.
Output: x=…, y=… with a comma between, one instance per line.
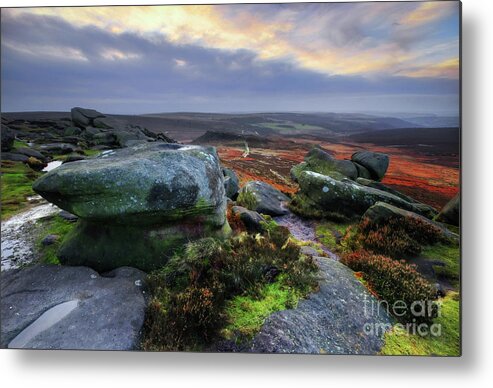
x=347, y=197
x=381, y=213
x=450, y=213
x=137, y=205
x=337, y=319
x=375, y=162
x=231, y=183
x=321, y=161
x=381, y=186
x=82, y=117
x=268, y=200
x=59, y=307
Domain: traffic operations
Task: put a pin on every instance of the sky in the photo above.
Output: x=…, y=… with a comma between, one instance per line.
x=314, y=57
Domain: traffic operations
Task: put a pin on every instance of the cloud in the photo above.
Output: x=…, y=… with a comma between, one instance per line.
x=50, y=62
x=332, y=39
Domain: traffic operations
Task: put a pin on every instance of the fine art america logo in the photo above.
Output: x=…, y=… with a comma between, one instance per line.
x=417, y=315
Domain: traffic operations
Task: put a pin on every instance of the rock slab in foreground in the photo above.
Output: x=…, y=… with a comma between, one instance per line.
x=332, y=320
x=57, y=307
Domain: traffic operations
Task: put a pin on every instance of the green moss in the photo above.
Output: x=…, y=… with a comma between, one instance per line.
x=304, y=207
x=330, y=234
x=247, y=199
x=16, y=180
x=398, y=342
x=246, y=314
x=19, y=144
x=57, y=226
x=91, y=152
x=450, y=256
x=318, y=166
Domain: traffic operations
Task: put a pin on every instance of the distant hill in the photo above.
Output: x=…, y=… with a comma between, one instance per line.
x=438, y=140
x=222, y=138
x=435, y=121
x=189, y=126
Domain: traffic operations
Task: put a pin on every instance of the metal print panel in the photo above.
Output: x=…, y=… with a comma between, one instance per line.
x=260, y=178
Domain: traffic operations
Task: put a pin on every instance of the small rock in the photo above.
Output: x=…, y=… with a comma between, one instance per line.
x=450, y=213
x=309, y=251
x=231, y=183
x=251, y=219
x=375, y=162
x=269, y=200
x=50, y=239
x=15, y=157
x=68, y=216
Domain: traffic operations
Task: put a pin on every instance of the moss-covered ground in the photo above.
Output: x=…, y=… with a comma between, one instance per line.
x=16, y=181
x=446, y=343
x=58, y=226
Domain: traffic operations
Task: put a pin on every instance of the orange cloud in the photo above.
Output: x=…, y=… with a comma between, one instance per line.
x=284, y=36
x=428, y=12
x=448, y=68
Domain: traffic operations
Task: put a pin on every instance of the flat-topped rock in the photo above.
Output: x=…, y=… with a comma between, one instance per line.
x=83, y=117
x=137, y=205
x=58, y=307
x=143, y=184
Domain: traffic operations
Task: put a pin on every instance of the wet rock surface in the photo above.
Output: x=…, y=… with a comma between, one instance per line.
x=57, y=307
x=19, y=235
x=333, y=320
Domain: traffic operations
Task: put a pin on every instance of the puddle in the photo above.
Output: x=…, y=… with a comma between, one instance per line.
x=52, y=165
x=45, y=321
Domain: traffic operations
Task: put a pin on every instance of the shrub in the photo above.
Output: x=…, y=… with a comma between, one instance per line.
x=247, y=199
x=393, y=281
x=403, y=236
x=190, y=293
